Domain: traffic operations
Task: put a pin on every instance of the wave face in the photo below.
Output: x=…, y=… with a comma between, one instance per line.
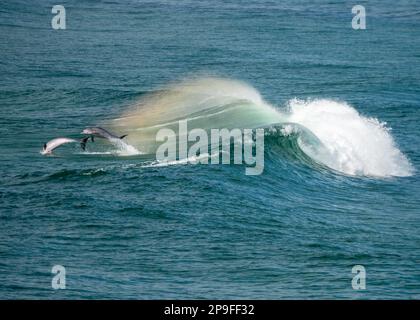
x=330, y=133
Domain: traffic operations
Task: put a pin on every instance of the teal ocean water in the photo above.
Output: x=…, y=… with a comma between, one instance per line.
x=340, y=187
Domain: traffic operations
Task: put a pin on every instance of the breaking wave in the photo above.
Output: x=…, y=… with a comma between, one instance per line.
x=330, y=133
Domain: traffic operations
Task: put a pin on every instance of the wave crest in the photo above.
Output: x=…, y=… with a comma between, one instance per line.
x=351, y=143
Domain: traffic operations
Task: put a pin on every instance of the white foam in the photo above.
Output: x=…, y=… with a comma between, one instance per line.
x=124, y=149
x=184, y=161
x=355, y=145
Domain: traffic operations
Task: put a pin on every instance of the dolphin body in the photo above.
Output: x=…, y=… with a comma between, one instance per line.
x=55, y=143
x=101, y=133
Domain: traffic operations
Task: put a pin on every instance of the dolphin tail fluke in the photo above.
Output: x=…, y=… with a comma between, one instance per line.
x=123, y=136
x=83, y=143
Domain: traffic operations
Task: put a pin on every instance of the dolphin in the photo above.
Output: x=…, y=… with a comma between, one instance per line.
x=101, y=133
x=55, y=143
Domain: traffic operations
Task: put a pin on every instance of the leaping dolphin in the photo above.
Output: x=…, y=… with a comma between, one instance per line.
x=55, y=143
x=101, y=133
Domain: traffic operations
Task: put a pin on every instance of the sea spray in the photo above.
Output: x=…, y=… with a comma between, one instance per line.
x=206, y=103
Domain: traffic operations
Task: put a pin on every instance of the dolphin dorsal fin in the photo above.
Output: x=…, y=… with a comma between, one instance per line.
x=123, y=136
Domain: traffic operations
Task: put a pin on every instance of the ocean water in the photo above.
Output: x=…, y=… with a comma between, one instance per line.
x=340, y=187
